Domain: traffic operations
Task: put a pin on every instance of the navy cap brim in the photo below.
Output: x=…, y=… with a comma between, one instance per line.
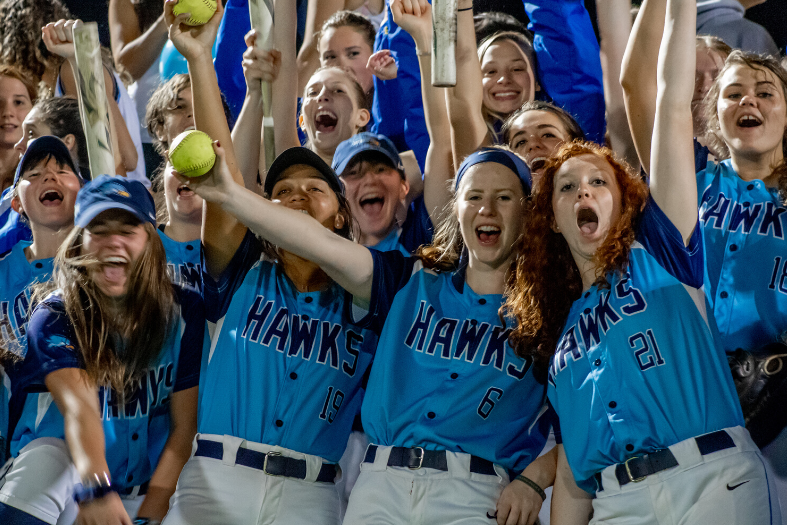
x=301, y=156
x=47, y=143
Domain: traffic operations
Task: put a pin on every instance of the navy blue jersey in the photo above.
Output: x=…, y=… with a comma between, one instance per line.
x=184, y=264
x=445, y=377
x=744, y=223
x=285, y=368
x=639, y=366
x=136, y=430
x=416, y=231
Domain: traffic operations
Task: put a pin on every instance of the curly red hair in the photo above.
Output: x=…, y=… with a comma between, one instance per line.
x=546, y=281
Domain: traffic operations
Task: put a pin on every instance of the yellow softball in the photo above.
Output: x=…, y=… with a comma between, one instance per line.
x=191, y=153
x=201, y=10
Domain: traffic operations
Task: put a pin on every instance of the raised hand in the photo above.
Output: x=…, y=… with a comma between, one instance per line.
x=216, y=184
x=415, y=17
x=58, y=37
x=382, y=65
x=259, y=65
x=192, y=41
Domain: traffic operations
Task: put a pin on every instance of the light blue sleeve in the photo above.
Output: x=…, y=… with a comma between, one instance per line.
x=569, y=66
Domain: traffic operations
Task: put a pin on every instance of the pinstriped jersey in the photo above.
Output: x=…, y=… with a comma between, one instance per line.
x=135, y=427
x=285, y=368
x=744, y=223
x=639, y=366
x=444, y=376
x=17, y=277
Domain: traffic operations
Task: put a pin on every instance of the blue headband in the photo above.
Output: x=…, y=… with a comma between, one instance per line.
x=506, y=158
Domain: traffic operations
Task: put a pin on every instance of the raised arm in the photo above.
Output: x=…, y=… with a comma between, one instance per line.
x=569, y=67
x=222, y=234
x=465, y=100
x=347, y=263
x=317, y=12
x=76, y=396
x=638, y=76
x=439, y=168
x=132, y=49
x=614, y=25
x=258, y=66
x=284, y=96
x=672, y=182
x=570, y=504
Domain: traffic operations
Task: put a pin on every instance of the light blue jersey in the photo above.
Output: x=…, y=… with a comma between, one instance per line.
x=183, y=262
x=445, y=377
x=285, y=368
x=135, y=431
x=416, y=230
x=17, y=277
x=639, y=366
x=744, y=224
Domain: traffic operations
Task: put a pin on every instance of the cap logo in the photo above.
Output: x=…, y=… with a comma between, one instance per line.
x=124, y=194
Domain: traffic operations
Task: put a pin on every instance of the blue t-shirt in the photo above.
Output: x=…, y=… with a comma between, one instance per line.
x=184, y=264
x=285, y=367
x=416, y=231
x=135, y=431
x=744, y=224
x=12, y=228
x=17, y=278
x=445, y=377
x=639, y=366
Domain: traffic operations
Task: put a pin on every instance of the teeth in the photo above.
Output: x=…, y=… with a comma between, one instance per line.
x=506, y=94
x=488, y=229
x=115, y=260
x=371, y=196
x=325, y=113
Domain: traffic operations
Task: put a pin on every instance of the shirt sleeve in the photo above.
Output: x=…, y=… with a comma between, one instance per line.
x=51, y=346
x=663, y=241
x=192, y=340
x=417, y=229
x=218, y=293
x=392, y=271
x=569, y=65
x=555, y=424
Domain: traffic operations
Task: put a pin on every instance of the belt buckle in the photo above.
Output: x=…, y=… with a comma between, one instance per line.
x=421, y=458
x=265, y=464
x=628, y=471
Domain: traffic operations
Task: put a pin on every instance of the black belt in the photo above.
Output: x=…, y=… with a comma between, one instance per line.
x=128, y=491
x=272, y=463
x=417, y=457
x=636, y=469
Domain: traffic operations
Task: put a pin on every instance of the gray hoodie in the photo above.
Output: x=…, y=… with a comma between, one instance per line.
x=724, y=19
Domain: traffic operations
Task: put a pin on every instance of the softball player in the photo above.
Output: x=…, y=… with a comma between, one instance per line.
x=112, y=261
x=441, y=339
x=650, y=418
x=43, y=193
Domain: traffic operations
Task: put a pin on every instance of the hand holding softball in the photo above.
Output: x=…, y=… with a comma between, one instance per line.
x=259, y=64
x=383, y=65
x=58, y=37
x=214, y=186
x=192, y=41
x=415, y=17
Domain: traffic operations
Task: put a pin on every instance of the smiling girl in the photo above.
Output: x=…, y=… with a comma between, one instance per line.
x=17, y=95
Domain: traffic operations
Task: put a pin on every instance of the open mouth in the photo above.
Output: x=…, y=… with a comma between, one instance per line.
x=505, y=95
x=587, y=220
x=488, y=234
x=325, y=121
x=537, y=163
x=114, y=269
x=185, y=191
x=372, y=203
x=749, y=121
x=51, y=198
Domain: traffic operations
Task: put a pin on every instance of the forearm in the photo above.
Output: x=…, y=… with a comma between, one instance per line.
x=285, y=99
x=638, y=75
x=247, y=137
x=542, y=470
x=570, y=504
x=317, y=12
x=140, y=54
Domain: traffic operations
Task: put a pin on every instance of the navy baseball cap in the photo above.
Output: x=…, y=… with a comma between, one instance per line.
x=298, y=155
x=507, y=158
x=39, y=148
x=365, y=142
x=113, y=193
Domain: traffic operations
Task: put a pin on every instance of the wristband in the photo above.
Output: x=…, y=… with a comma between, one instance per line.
x=533, y=485
x=465, y=9
x=146, y=521
x=93, y=489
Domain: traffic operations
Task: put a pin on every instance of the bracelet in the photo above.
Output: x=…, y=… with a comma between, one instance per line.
x=146, y=521
x=426, y=53
x=533, y=485
x=94, y=489
x=465, y=9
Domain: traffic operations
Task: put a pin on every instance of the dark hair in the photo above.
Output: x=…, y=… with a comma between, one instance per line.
x=61, y=115
x=491, y=22
x=572, y=127
x=36, y=158
x=359, y=23
x=11, y=71
x=20, y=33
